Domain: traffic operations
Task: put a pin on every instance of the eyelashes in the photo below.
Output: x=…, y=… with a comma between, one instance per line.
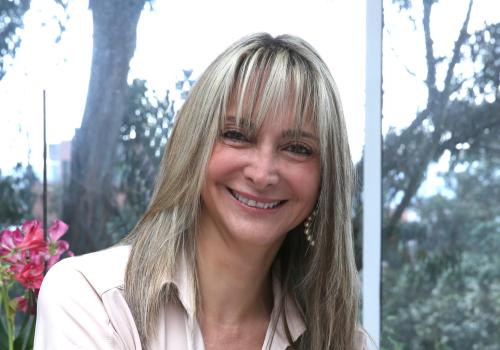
x=299, y=149
x=240, y=138
x=234, y=135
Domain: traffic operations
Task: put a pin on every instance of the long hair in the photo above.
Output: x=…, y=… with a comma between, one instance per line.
x=264, y=71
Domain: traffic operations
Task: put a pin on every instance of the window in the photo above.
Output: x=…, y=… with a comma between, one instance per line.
x=440, y=175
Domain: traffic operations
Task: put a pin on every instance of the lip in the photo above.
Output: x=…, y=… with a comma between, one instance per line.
x=256, y=199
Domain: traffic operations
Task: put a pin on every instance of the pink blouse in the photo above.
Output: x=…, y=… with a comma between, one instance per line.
x=81, y=306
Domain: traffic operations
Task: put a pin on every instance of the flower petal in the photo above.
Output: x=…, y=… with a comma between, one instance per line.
x=10, y=239
x=33, y=238
x=30, y=276
x=57, y=230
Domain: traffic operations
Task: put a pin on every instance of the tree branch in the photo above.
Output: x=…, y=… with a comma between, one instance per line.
x=436, y=108
x=462, y=36
x=429, y=50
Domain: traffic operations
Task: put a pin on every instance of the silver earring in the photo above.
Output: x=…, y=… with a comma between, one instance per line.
x=307, y=226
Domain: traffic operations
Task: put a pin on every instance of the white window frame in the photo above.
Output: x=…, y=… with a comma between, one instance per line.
x=372, y=174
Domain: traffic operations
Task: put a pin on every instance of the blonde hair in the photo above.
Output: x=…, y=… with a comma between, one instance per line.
x=322, y=279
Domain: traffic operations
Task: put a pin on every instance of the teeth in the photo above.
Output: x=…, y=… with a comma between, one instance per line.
x=255, y=204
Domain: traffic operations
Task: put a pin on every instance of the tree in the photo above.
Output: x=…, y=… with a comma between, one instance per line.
x=422, y=140
x=88, y=201
x=441, y=267
x=445, y=122
x=144, y=133
x=11, y=20
x=16, y=195
x=445, y=287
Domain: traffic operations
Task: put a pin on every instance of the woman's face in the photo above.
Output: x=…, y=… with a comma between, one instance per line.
x=260, y=184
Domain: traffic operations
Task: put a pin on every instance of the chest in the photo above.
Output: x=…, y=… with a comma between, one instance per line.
x=176, y=331
x=244, y=337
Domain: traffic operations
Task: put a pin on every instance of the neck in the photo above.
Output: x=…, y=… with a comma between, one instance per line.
x=235, y=281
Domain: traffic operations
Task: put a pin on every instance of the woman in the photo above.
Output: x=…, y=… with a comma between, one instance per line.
x=246, y=243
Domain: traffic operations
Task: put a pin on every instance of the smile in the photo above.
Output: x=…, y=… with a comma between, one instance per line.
x=255, y=204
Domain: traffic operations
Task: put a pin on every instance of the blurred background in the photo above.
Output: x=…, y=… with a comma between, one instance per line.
x=116, y=72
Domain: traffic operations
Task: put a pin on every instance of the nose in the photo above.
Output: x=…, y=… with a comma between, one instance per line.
x=262, y=170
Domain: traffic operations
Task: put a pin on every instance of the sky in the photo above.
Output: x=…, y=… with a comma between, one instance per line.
x=173, y=36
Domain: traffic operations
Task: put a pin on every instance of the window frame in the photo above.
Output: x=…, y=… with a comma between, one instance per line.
x=372, y=165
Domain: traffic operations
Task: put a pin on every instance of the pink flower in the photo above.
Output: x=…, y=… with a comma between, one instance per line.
x=9, y=242
x=57, y=230
x=30, y=275
x=57, y=247
x=33, y=236
x=26, y=252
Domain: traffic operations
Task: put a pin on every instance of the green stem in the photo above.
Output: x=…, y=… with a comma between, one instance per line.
x=8, y=317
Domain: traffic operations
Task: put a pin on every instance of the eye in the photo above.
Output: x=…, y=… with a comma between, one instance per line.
x=298, y=149
x=234, y=136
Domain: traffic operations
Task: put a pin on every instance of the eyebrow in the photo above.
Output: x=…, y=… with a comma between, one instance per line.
x=299, y=134
x=243, y=122
x=289, y=134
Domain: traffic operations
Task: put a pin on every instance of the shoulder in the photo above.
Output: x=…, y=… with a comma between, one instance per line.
x=81, y=306
x=102, y=270
x=363, y=340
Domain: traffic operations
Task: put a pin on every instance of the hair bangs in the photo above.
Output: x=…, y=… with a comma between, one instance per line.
x=271, y=83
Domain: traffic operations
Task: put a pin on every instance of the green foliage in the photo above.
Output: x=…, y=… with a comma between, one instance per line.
x=143, y=135
x=448, y=295
x=484, y=51
x=11, y=20
x=16, y=195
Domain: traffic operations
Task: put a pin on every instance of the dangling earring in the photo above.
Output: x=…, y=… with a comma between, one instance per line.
x=307, y=226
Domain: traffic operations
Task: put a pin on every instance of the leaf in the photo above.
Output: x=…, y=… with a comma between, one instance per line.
x=31, y=336
x=3, y=337
x=27, y=328
x=3, y=327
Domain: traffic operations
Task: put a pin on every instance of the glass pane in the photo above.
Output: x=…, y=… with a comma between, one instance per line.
x=108, y=119
x=441, y=175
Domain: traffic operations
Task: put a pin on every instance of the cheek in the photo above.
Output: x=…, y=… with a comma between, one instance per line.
x=222, y=163
x=306, y=182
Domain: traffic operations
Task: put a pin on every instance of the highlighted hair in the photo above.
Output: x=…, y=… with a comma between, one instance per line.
x=260, y=74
